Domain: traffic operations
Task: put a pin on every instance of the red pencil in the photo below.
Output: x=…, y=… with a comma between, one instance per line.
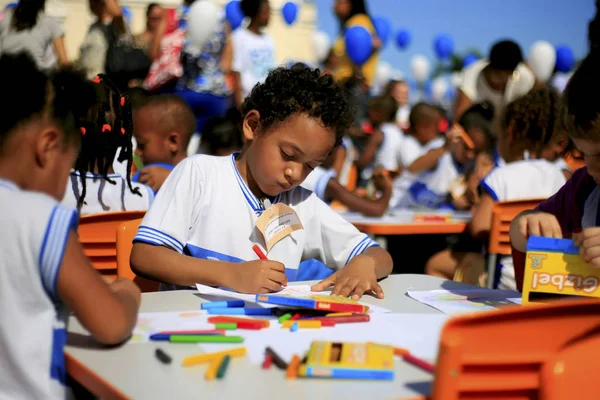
x=417, y=362
x=259, y=252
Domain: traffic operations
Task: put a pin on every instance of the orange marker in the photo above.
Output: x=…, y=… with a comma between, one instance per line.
x=468, y=141
x=292, y=369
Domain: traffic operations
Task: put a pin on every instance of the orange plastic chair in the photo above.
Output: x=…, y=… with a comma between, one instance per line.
x=98, y=236
x=499, y=243
x=352, y=178
x=541, y=352
x=125, y=234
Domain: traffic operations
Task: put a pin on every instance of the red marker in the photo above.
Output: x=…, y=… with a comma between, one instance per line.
x=259, y=252
x=417, y=362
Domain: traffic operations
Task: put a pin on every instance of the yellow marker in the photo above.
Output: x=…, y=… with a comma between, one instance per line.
x=208, y=357
x=213, y=367
x=302, y=324
x=339, y=314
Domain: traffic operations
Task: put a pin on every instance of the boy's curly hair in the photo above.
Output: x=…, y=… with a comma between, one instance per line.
x=300, y=89
x=533, y=116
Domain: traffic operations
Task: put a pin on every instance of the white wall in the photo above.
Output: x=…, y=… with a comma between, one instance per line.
x=292, y=43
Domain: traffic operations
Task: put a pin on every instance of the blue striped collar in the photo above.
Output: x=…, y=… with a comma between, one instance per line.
x=252, y=200
x=10, y=185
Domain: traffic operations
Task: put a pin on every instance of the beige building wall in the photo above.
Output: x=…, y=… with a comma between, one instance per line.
x=292, y=42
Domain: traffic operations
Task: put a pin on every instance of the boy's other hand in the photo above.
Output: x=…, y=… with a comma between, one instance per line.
x=154, y=176
x=356, y=278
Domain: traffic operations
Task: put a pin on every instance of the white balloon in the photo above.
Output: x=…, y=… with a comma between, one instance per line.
x=542, y=59
x=382, y=75
x=456, y=79
x=439, y=88
x=321, y=44
x=396, y=75
x=560, y=80
x=419, y=67
x=202, y=22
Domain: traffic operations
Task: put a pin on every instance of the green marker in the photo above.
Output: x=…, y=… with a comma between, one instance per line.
x=284, y=317
x=137, y=162
x=223, y=367
x=226, y=325
x=205, y=339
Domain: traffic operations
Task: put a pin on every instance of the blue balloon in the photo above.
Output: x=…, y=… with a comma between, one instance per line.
x=359, y=44
x=234, y=14
x=290, y=12
x=126, y=14
x=428, y=88
x=403, y=39
x=565, y=59
x=469, y=59
x=10, y=5
x=383, y=27
x=443, y=46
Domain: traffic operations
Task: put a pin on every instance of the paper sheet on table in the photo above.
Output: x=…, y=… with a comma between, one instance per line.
x=454, y=302
x=419, y=333
x=292, y=290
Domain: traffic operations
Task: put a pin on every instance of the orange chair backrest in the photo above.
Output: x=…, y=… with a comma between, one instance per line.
x=98, y=237
x=502, y=215
x=502, y=354
x=125, y=234
x=352, y=178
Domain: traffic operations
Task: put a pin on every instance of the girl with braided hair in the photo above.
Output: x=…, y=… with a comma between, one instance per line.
x=94, y=187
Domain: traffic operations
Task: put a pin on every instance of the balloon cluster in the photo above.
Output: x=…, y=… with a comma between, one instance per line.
x=545, y=59
x=235, y=16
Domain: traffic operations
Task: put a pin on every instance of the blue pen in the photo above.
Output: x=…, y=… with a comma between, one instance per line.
x=240, y=311
x=222, y=304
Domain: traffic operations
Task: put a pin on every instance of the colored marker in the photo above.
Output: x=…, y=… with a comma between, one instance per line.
x=294, y=327
x=223, y=367
x=284, y=317
x=208, y=357
x=267, y=362
x=346, y=320
x=278, y=361
x=225, y=319
x=240, y=311
x=251, y=325
x=305, y=324
x=222, y=304
x=194, y=332
x=292, y=369
x=213, y=368
x=417, y=362
x=259, y=252
x=226, y=326
x=162, y=356
x=205, y=339
x=167, y=337
x=399, y=351
x=339, y=314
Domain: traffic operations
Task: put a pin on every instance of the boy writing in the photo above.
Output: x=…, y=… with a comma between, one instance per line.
x=204, y=222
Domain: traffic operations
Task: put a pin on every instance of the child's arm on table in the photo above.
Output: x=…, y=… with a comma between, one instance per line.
x=372, y=208
x=109, y=312
x=360, y=275
x=166, y=265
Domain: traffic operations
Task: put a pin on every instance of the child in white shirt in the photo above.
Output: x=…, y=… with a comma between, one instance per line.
x=253, y=49
x=203, y=224
x=43, y=272
x=94, y=187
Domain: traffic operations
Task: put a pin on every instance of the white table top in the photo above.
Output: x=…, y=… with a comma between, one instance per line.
x=134, y=370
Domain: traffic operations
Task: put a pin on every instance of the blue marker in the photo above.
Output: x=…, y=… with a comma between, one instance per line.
x=166, y=336
x=222, y=304
x=294, y=327
x=240, y=311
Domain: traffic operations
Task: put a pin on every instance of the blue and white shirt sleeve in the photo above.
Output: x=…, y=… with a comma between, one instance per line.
x=332, y=239
x=174, y=209
x=494, y=184
x=54, y=244
x=317, y=181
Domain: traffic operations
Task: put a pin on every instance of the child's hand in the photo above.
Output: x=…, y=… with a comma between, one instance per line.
x=382, y=180
x=259, y=276
x=533, y=224
x=154, y=176
x=589, y=245
x=356, y=277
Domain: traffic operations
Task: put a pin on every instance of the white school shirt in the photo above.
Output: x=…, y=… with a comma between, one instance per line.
x=410, y=149
x=103, y=196
x=33, y=319
x=387, y=154
x=527, y=179
x=402, y=116
x=431, y=188
x=317, y=181
x=351, y=156
x=253, y=57
x=206, y=210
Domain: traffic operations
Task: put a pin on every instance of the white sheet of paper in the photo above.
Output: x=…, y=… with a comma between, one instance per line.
x=454, y=302
x=296, y=290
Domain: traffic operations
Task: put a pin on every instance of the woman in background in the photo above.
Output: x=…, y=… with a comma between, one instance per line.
x=27, y=28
